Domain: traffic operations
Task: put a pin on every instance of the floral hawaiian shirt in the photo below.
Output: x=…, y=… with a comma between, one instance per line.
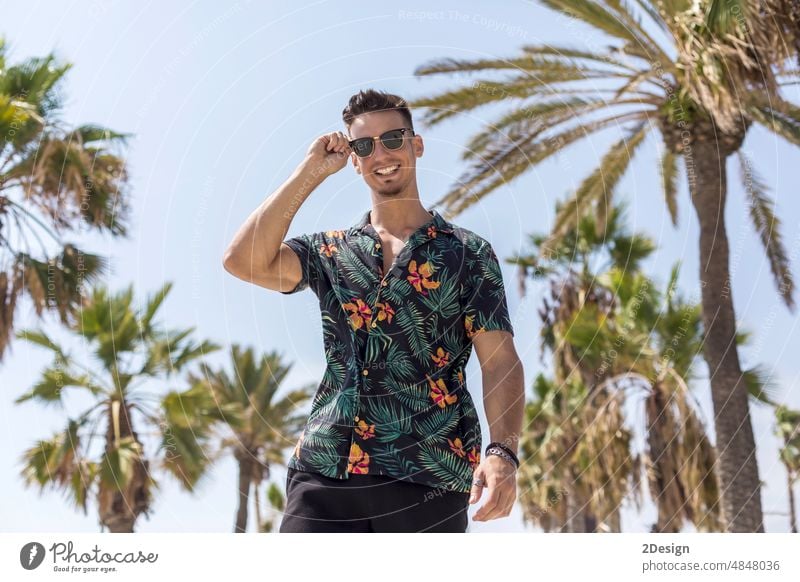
x=393, y=399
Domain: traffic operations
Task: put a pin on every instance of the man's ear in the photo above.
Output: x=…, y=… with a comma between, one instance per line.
x=355, y=162
x=419, y=146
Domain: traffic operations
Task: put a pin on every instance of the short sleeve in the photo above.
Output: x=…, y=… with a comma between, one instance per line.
x=305, y=247
x=485, y=304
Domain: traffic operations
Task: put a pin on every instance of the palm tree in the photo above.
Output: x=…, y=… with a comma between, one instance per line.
x=576, y=465
x=53, y=180
x=277, y=505
x=612, y=336
x=128, y=348
x=260, y=425
x=551, y=106
x=771, y=26
x=788, y=429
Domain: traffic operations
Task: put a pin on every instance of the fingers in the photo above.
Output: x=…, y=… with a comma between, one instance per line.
x=477, y=487
x=489, y=506
x=494, y=507
x=498, y=503
x=337, y=142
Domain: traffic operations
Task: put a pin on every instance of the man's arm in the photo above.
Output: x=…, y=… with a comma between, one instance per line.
x=504, y=403
x=503, y=386
x=256, y=253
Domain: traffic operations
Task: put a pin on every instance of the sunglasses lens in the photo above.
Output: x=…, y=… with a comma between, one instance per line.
x=363, y=147
x=392, y=140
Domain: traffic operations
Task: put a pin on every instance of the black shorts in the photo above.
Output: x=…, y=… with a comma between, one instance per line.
x=370, y=503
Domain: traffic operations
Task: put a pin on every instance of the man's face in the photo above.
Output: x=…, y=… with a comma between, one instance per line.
x=376, y=123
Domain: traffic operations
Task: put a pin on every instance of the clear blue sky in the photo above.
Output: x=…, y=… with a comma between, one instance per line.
x=224, y=100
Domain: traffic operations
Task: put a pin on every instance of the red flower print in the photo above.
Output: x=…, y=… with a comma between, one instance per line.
x=327, y=250
x=474, y=457
x=441, y=357
x=363, y=430
x=439, y=393
x=455, y=446
x=432, y=231
x=360, y=313
x=385, y=311
x=358, y=461
x=419, y=277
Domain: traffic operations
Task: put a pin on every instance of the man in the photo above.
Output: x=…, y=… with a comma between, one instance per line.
x=393, y=440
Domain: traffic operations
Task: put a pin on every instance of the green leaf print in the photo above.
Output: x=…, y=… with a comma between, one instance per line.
x=438, y=424
x=391, y=422
x=399, y=366
x=411, y=321
x=414, y=397
x=444, y=300
x=325, y=438
x=445, y=465
x=354, y=269
x=394, y=463
x=324, y=461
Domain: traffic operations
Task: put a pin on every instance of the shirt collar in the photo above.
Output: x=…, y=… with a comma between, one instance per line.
x=437, y=221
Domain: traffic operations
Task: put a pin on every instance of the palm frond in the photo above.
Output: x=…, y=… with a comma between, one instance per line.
x=575, y=53
x=532, y=120
x=777, y=115
x=486, y=91
x=669, y=183
x=50, y=387
x=510, y=157
x=767, y=225
x=598, y=187
x=41, y=338
x=614, y=20
x=51, y=462
x=760, y=385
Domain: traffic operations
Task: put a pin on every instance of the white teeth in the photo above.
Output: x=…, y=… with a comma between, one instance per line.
x=387, y=170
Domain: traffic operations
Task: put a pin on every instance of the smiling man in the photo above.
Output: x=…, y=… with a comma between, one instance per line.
x=393, y=439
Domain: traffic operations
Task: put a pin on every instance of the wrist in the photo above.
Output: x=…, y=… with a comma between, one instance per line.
x=316, y=169
x=502, y=451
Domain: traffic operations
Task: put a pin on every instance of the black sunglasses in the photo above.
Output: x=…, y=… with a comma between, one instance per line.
x=391, y=140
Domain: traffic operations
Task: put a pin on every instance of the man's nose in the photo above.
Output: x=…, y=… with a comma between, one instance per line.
x=381, y=153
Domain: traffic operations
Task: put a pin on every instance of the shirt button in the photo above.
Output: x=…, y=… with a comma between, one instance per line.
x=377, y=245
x=365, y=371
x=384, y=282
x=374, y=324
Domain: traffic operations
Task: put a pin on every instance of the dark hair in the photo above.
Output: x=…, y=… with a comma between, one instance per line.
x=372, y=100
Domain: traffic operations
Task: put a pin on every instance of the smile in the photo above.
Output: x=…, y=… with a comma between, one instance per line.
x=387, y=170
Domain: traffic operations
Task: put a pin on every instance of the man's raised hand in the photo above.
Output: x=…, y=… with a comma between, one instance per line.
x=329, y=152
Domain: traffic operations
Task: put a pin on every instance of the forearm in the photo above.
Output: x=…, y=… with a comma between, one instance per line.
x=504, y=402
x=258, y=240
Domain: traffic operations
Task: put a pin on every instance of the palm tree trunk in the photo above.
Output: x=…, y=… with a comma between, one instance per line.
x=665, y=484
x=245, y=478
x=574, y=522
x=120, y=507
x=792, y=512
x=259, y=517
x=580, y=518
x=738, y=470
x=123, y=525
x=614, y=522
